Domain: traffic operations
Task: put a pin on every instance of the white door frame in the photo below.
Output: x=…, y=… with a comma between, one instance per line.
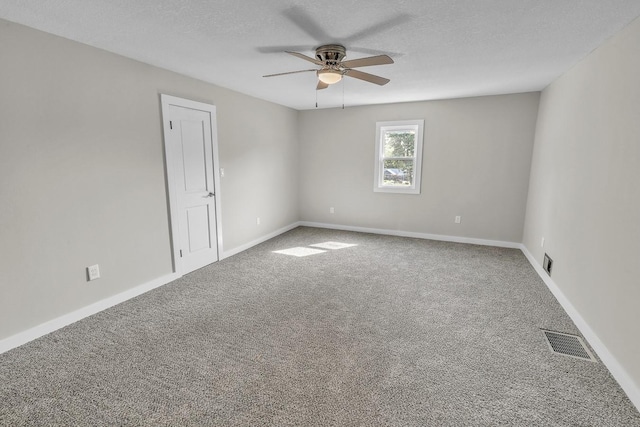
x=167, y=101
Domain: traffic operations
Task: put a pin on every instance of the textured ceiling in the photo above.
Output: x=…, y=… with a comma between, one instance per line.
x=442, y=49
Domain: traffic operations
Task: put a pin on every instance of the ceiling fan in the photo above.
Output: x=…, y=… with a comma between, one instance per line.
x=332, y=67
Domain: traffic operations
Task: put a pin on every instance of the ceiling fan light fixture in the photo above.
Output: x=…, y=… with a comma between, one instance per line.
x=329, y=76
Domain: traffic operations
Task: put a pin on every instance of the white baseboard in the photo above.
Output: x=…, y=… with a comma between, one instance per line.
x=237, y=250
x=617, y=370
x=69, y=318
x=440, y=237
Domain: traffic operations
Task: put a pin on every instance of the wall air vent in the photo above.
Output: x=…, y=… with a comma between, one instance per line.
x=547, y=264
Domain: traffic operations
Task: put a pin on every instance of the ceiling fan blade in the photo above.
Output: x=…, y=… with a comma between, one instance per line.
x=306, y=23
x=370, y=51
x=306, y=58
x=280, y=49
x=321, y=85
x=377, y=28
x=289, y=72
x=367, y=77
x=366, y=62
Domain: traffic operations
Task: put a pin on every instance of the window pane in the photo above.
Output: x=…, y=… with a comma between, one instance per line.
x=398, y=156
x=398, y=173
x=399, y=143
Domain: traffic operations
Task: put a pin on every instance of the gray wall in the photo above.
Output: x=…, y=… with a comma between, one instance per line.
x=82, y=177
x=476, y=162
x=584, y=195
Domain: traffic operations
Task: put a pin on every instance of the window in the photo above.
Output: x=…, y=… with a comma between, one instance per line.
x=398, y=156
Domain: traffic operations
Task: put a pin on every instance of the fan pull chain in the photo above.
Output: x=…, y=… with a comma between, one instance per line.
x=343, y=94
x=316, y=98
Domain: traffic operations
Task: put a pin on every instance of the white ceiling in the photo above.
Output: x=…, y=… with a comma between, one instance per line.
x=442, y=49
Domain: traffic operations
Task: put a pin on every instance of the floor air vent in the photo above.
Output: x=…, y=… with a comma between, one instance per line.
x=568, y=345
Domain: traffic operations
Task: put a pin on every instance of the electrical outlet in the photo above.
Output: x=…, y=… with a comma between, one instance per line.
x=458, y=219
x=221, y=172
x=93, y=272
x=258, y=221
x=332, y=210
x=542, y=243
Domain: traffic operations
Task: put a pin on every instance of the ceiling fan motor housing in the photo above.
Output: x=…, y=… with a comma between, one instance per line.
x=331, y=54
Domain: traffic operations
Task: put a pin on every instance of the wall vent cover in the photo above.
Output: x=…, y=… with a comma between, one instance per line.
x=547, y=264
x=568, y=345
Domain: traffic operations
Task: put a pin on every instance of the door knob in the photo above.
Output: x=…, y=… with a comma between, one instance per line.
x=210, y=194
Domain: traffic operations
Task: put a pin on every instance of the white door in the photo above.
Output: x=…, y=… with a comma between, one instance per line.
x=191, y=156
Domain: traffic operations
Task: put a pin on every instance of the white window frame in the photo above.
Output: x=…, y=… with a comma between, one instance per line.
x=381, y=129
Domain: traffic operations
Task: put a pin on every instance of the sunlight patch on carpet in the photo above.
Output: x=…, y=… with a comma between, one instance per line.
x=299, y=251
x=333, y=245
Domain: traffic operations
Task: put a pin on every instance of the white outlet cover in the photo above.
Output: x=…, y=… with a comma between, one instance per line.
x=93, y=271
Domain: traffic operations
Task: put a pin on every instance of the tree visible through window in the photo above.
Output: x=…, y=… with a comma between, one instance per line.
x=399, y=149
x=398, y=156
